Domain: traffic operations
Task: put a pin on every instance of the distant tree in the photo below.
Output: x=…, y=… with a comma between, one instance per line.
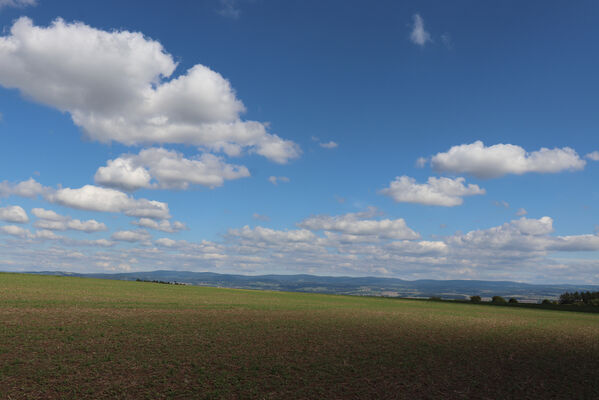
x=475, y=299
x=513, y=301
x=579, y=298
x=546, y=301
x=498, y=300
x=435, y=298
x=567, y=298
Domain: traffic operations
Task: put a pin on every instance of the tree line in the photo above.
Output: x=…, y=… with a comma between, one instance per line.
x=577, y=298
x=162, y=282
x=588, y=298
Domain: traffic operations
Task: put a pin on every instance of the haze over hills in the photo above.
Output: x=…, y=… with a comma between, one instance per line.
x=361, y=286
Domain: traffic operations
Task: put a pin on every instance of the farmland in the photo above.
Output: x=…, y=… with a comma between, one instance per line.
x=81, y=338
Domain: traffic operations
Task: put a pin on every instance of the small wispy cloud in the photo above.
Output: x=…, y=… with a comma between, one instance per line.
x=326, y=145
x=502, y=204
x=17, y=3
x=329, y=145
x=228, y=9
x=260, y=217
x=447, y=41
x=521, y=212
x=339, y=199
x=593, y=156
x=276, y=179
x=421, y=162
x=419, y=35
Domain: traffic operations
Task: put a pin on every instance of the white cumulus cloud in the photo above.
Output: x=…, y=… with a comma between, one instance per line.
x=528, y=226
x=593, y=156
x=14, y=230
x=49, y=215
x=359, y=224
x=271, y=235
x=29, y=188
x=169, y=169
x=166, y=242
x=131, y=236
x=124, y=174
x=94, y=198
x=501, y=159
x=418, y=248
x=115, y=86
x=521, y=238
x=445, y=192
x=13, y=214
x=50, y=220
x=18, y=231
x=163, y=225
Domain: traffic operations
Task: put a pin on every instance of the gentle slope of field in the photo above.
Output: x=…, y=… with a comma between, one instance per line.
x=85, y=338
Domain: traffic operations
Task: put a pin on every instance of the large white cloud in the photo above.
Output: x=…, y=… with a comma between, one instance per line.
x=435, y=192
x=359, y=224
x=169, y=169
x=88, y=197
x=113, y=84
x=94, y=198
x=51, y=220
x=501, y=159
x=13, y=214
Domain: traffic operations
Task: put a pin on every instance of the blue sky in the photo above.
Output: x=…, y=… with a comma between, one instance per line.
x=414, y=140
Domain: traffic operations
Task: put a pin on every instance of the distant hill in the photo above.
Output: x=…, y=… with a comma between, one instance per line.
x=360, y=286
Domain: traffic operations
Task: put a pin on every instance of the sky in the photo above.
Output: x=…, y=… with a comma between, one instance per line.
x=414, y=139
